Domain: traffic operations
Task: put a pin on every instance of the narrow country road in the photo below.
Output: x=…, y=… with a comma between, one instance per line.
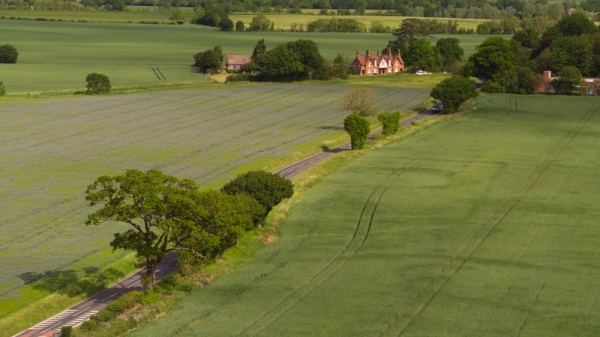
x=81, y=312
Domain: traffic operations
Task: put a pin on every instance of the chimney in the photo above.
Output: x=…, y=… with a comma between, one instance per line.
x=389, y=52
x=357, y=53
x=368, y=52
x=547, y=75
x=378, y=52
x=399, y=52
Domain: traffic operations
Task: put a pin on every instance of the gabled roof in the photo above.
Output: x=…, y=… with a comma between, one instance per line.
x=239, y=59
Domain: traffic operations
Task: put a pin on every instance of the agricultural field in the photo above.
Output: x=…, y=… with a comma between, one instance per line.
x=53, y=148
x=59, y=55
x=485, y=225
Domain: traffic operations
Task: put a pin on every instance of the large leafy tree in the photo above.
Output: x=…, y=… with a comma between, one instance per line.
x=453, y=91
x=269, y=189
x=492, y=61
x=449, y=51
x=360, y=100
x=259, y=50
x=8, y=54
x=281, y=64
x=576, y=24
x=421, y=55
x=165, y=214
x=209, y=60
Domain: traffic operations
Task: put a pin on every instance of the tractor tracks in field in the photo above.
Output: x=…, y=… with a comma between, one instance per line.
x=359, y=237
x=417, y=306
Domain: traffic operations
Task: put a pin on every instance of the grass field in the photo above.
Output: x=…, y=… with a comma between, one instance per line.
x=59, y=55
x=151, y=14
x=53, y=148
x=481, y=226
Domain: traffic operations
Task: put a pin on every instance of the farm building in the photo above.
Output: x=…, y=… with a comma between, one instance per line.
x=235, y=62
x=380, y=64
x=589, y=85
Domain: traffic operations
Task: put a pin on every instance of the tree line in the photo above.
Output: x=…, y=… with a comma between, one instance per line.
x=164, y=213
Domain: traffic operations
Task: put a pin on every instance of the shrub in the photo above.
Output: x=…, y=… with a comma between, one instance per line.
x=103, y=316
x=491, y=87
x=358, y=129
x=150, y=298
x=66, y=331
x=97, y=84
x=390, y=121
x=2, y=89
x=89, y=325
x=269, y=189
x=117, y=307
x=8, y=54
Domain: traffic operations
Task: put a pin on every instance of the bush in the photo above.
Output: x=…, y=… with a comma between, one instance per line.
x=390, y=121
x=89, y=325
x=103, y=316
x=492, y=87
x=269, y=189
x=66, y=331
x=2, y=89
x=8, y=54
x=150, y=298
x=358, y=129
x=97, y=84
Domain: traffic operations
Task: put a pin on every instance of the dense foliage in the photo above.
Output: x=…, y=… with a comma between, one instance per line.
x=2, y=89
x=210, y=60
x=390, y=122
x=335, y=25
x=8, y=54
x=165, y=214
x=358, y=128
x=453, y=92
x=97, y=84
x=269, y=189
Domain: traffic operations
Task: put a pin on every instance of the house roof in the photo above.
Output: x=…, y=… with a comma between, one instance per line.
x=238, y=59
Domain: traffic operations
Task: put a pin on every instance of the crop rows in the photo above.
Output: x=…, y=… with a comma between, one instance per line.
x=53, y=149
x=485, y=225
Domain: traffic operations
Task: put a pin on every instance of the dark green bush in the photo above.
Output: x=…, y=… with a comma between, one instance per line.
x=89, y=325
x=150, y=298
x=187, y=287
x=2, y=89
x=269, y=189
x=103, y=316
x=8, y=54
x=97, y=84
x=358, y=129
x=117, y=307
x=66, y=331
x=390, y=121
x=491, y=87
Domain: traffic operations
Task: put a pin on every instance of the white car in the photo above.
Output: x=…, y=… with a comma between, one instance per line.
x=421, y=72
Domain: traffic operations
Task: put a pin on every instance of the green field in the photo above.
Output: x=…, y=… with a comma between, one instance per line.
x=59, y=55
x=53, y=148
x=152, y=14
x=486, y=225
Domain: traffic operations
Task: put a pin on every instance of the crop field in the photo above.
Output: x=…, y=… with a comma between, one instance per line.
x=52, y=149
x=59, y=55
x=152, y=14
x=485, y=225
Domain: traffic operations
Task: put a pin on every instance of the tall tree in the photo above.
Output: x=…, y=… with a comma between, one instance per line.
x=453, y=91
x=492, y=61
x=421, y=55
x=269, y=189
x=165, y=214
x=360, y=101
x=449, y=51
x=259, y=50
x=358, y=129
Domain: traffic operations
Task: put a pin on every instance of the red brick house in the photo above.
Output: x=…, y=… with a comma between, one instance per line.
x=235, y=62
x=589, y=85
x=380, y=64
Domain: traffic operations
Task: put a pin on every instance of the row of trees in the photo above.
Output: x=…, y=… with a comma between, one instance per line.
x=166, y=214
x=571, y=49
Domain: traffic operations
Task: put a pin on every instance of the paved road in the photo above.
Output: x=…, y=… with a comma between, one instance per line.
x=81, y=312
x=77, y=314
x=301, y=166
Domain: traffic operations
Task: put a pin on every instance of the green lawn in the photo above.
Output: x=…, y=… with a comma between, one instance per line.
x=53, y=148
x=482, y=226
x=59, y=55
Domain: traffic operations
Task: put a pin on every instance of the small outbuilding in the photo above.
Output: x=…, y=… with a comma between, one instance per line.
x=235, y=62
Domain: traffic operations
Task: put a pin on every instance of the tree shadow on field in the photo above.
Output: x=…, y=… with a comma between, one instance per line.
x=71, y=282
